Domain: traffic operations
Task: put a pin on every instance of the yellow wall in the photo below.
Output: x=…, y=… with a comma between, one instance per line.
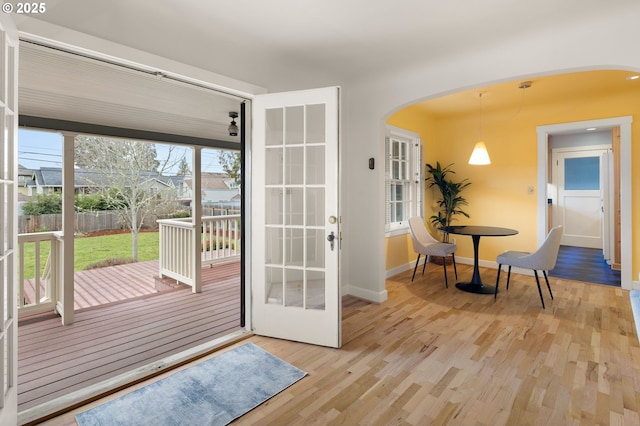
x=498, y=193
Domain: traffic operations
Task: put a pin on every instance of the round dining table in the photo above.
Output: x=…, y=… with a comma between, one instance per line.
x=476, y=285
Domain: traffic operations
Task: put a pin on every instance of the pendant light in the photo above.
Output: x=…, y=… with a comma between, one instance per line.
x=480, y=156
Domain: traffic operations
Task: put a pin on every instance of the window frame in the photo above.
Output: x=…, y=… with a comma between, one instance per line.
x=414, y=180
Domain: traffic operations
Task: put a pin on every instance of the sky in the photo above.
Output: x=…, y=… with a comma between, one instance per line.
x=38, y=149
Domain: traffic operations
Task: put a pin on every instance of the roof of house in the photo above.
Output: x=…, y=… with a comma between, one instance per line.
x=212, y=180
x=52, y=177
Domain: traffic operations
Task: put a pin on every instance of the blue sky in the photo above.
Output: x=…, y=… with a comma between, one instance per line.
x=44, y=149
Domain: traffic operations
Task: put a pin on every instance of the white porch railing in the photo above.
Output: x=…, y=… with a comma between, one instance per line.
x=220, y=240
x=37, y=290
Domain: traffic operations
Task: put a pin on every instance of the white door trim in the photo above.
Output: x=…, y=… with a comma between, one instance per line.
x=625, y=183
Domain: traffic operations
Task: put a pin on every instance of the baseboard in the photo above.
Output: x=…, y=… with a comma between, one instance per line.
x=398, y=270
x=366, y=294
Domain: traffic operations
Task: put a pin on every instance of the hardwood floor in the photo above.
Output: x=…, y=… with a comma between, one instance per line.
x=430, y=355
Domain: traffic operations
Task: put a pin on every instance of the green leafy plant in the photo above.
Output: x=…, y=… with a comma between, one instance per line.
x=450, y=202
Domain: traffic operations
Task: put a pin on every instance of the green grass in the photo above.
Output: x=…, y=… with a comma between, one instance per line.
x=90, y=250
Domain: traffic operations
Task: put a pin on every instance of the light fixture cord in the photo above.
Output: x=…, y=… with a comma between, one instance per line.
x=480, y=129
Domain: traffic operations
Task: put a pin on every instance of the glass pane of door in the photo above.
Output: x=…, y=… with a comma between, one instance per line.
x=295, y=208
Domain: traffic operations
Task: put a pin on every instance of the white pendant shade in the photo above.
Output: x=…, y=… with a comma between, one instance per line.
x=479, y=156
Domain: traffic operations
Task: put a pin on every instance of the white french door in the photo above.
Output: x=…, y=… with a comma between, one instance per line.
x=8, y=220
x=295, y=220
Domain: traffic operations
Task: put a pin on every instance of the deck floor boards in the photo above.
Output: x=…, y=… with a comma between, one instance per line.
x=122, y=326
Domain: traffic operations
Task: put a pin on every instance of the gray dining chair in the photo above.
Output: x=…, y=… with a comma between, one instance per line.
x=425, y=244
x=543, y=259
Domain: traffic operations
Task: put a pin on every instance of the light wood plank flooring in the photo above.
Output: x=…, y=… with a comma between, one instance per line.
x=430, y=355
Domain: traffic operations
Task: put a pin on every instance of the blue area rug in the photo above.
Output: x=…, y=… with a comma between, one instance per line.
x=213, y=392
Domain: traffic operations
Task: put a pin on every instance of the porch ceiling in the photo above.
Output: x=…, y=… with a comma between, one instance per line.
x=63, y=86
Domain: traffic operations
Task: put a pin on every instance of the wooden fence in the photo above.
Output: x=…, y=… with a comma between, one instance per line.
x=98, y=221
x=85, y=222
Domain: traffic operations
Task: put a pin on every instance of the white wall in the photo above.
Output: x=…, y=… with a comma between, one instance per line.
x=606, y=42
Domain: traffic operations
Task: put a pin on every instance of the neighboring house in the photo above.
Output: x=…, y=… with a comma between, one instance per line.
x=216, y=188
x=48, y=180
x=25, y=176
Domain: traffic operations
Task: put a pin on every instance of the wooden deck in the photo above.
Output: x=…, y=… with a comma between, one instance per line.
x=122, y=323
x=97, y=287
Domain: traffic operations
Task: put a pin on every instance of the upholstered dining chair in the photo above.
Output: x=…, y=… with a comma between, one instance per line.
x=543, y=259
x=425, y=244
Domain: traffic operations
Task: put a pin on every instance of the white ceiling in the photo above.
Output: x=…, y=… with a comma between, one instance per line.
x=289, y=44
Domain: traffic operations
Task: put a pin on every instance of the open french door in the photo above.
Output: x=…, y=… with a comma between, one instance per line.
x=8, y=220
x=295, y=221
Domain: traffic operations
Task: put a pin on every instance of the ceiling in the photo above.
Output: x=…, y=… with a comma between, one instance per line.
x=288, y=44
x=291, y=44
x=542, y=90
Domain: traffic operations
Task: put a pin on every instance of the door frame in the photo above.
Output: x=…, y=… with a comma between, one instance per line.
x=624, y=123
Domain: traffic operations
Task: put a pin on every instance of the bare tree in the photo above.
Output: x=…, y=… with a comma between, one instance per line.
x=129, y=175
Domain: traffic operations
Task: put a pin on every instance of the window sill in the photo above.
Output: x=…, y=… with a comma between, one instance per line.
x=397, y=231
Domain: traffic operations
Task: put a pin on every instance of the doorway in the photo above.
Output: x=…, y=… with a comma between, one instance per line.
x=544, y=167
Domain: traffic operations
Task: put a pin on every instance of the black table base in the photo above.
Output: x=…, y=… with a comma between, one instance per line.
x=476, y=288
x=476, y=285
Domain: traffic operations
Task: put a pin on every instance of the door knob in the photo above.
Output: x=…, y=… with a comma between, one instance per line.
x=331, y=238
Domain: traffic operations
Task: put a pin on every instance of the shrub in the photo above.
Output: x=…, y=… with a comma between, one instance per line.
x=43, y=204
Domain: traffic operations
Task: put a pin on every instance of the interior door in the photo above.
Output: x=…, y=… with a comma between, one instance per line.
x=295, y=219
x=8, y=219
x=579, y=203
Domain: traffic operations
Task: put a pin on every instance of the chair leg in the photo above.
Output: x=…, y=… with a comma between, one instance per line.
x=548, y=286
x=453, y=257
x=416, y=267
x=444, y=266
x=495, y=295
x=539, y=289
x=508, y=276
x=424, y=266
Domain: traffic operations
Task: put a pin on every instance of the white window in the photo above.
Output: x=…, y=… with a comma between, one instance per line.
x=404, y=179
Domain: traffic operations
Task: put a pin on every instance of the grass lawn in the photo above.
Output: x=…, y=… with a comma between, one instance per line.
x=90, y=250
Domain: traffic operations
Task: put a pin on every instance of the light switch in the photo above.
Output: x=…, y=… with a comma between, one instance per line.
x=530, y=189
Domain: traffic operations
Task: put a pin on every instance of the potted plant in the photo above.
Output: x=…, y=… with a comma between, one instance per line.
x=451, y=201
